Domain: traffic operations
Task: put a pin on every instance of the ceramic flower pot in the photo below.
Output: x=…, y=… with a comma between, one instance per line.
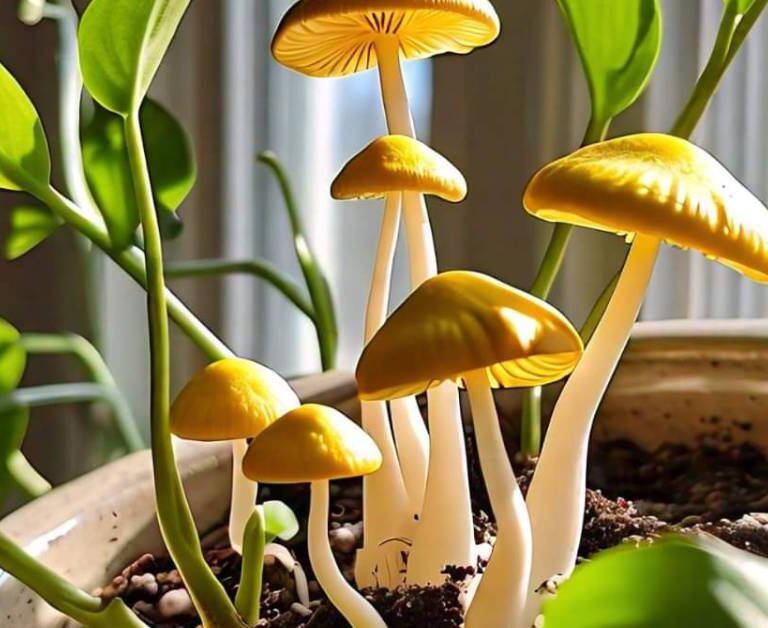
x=678, y=382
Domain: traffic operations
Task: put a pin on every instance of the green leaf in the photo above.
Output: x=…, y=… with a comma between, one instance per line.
x=279, y=521
x=13, y=429
x=122, y=43
x=29, y=226
x=105, y=159
x=619, y=44
x=742, y=6
x=13, y=357
x=674, y=582
x=25, y=163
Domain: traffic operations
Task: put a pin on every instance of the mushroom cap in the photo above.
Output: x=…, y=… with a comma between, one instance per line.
x=397, y=163
x=310, y=443
x=230, y=399
x=337, y=37
x=462, y=321
x=658, y=185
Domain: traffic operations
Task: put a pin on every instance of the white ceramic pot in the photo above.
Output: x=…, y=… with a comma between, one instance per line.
x=674, y=377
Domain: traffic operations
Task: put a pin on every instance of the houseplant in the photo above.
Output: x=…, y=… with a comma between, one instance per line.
x=119, y=81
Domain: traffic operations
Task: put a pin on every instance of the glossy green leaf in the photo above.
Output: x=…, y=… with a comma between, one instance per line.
x=121, y=44
x=13, y=357
x=29, y=226
x=676, y=583
x=279, y=521
x=105, y=159
x=25, y=163
x=619, y=44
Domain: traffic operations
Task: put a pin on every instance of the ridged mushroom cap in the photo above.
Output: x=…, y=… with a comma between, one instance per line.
x=337, y=37
x=230, y=399
x=461, y=321
x=396, y=163
x=312, y=442
x=658, y=185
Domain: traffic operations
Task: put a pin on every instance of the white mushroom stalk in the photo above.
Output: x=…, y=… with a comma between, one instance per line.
x=244, y=493
x=386, y=505
x=557, y=493
x=501, y=594
x=445, y=533
x=358, y=612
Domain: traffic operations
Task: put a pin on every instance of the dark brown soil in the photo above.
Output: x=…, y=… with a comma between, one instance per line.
x=673, y=489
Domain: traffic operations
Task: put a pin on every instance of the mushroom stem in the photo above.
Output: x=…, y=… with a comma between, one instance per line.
x=393, y=93
x=500, y=597
x=385, y=497
x=557, y=492
x=412, y=440
x=244, y=493
x=351, y=604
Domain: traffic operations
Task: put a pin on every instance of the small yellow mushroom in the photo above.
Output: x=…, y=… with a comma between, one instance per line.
x=314, y=443
x=650, y=188
x=232, y=399
x=388, y=167
x=467, y=326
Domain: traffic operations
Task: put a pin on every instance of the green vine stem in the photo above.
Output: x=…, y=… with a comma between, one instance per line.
x=25, y=476
x=317, y=284
x=97, y=371
x=132, y=261
x=551, y=263
x=86, y=609
x=56, y=394
x=248, y=597
x=173, y=512
x=256, y=267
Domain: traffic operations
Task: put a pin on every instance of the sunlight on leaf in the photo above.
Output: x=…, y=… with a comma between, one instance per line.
x=105, y=159
x=121, y=45
x=25, y=163
x=674, y=582
x=742, y=6
x=13, y=358
x=619, y=44
x=29, y=226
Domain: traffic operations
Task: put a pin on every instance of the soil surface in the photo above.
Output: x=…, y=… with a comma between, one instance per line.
x=635, y=497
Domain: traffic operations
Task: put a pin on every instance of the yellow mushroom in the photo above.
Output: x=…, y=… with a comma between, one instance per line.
x=340, y=37
x=467, y=326
x=386, y=168
x=314, y=443
x=232, y=399
x=651, y=188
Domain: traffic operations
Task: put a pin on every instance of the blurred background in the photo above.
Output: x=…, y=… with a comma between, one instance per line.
x=497, y=113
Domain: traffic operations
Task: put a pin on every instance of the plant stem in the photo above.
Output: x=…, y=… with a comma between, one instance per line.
x=175, y=518
x=256, y=267
x=317, y=284
x=97, y=371
x=55, y=394
x=25, y=476
x=132, y=261
x=86, y=609
x=248, y=598
x=549, y=269
x=596, y=313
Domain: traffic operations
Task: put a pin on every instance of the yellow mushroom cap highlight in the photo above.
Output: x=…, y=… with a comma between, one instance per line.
x=657, y=185
x=461, y=321
x=230, y=399
x=337, y=37
x=312, y=442
x=396, y=163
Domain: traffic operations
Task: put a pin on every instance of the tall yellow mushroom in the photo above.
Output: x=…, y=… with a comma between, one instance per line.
x=467, y=326
x=314, y=443
x=336, y=38
x=650, y=188
x=388, y=167
x=232, y=399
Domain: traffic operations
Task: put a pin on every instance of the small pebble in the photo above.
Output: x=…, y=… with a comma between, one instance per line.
x=175, y=603
x=144, y=584
x=300, y=609
x=343, y=540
